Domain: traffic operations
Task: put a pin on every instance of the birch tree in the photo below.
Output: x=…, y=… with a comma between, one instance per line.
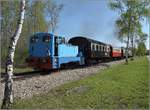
x=35, y=21
x=131, y=13
x=53, y=11
x=8, y=92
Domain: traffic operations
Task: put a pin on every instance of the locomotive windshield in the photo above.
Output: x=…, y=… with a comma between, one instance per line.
x=40, y=45
x=46, y=38
x=34, y=39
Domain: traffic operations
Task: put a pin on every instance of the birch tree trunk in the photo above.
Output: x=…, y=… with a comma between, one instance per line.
x=127, y=48
x=8, y=92
x=148, y=19
x=132, y=42
x=128, y=37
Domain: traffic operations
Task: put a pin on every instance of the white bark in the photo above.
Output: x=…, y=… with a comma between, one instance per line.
x=149, y=30
x=8, y=92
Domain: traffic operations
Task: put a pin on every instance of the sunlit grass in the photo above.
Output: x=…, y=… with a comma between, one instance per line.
x=122, y=86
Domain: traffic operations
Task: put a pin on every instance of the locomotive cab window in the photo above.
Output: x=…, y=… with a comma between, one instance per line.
x=59, y=40
x=63, y=40
x=34, y=39
x=46, y=39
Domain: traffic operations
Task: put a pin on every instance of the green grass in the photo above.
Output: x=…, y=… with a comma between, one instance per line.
x=122, y=86
x=17, y=70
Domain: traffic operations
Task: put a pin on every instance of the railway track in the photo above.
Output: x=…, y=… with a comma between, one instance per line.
x=30, y=74
x=24, y=75
x=28, y=84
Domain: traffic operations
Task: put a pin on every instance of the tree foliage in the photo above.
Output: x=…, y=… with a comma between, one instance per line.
x=141, y=50
x=52, y=12
x=35, y=21
x=8, y=92
x=131, y=13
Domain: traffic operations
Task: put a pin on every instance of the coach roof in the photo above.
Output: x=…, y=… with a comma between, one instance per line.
x=88, y=40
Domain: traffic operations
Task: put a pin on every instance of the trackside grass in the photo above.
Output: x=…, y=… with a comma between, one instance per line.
x=119, y=87
x=17, y=70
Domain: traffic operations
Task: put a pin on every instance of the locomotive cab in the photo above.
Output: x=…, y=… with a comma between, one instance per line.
x=48, y=51
x=40, y=46
x=40, y=51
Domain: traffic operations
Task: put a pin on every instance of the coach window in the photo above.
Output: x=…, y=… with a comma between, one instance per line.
x=93, y=47
x=96, y=47
x=103, y=48
x=108, y=49
x=99, y=48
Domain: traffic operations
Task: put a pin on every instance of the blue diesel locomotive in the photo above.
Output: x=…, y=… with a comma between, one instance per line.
x=48, y=51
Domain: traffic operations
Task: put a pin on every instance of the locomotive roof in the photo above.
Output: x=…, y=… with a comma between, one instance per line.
x=40, y=34
x=89, y=40
x=44, y=33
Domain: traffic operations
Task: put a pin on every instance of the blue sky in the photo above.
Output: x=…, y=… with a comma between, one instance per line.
x=90, y=18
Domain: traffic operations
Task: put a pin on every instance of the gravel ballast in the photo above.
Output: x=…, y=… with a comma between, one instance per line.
x=42, y=84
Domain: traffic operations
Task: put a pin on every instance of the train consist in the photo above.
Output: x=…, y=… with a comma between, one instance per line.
x=48, y=51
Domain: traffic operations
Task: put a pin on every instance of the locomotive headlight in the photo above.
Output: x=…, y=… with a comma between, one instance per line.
x=48, y=52
x=56, y=60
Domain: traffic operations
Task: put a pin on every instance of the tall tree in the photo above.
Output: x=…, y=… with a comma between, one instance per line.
x=8, y=16
x=8, y=92
x=141, y=50
x=148, y=19
x=53, y=11
x=131, y=13
x=37, y=16
x=35, y=22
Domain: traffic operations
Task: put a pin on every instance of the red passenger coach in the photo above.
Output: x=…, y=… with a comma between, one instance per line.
x=116, y=53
